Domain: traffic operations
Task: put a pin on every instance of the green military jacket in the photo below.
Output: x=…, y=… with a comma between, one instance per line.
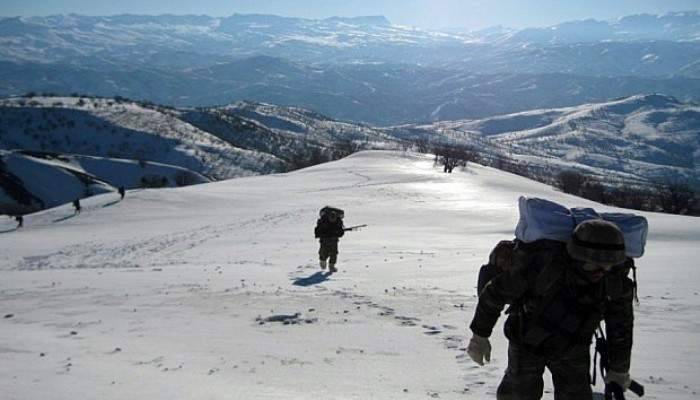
x=554, y=307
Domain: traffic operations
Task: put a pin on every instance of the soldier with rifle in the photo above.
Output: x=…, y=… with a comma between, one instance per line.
x=329, y=230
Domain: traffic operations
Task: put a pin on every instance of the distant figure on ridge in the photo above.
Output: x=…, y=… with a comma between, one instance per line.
x=20, y=221
x=329, y=229
x=76, y=205
x=122, y=191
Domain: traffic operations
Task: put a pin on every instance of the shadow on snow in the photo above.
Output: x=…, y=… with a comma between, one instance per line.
x=64, y=218
x=110, y=204
x=315, y=279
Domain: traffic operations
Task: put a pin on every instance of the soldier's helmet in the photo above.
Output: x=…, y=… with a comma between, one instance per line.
x=597, y=241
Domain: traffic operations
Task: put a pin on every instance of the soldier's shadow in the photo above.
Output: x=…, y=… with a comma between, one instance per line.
x=67, y=217
x=110, y=204
x=315, y=279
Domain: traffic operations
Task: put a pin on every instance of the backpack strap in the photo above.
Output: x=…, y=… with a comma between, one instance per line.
x=634, y=280
x=622, y=273
x=600, y=355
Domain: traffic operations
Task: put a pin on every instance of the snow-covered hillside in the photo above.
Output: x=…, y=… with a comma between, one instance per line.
x=29, y=184
x=306, y=124
x=285, y=132
x=132, y=144
x=213, y=291
x=31, y=181
x=123, y=129
x=641, y=138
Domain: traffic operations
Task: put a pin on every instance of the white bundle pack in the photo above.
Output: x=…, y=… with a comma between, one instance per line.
x=544, y=219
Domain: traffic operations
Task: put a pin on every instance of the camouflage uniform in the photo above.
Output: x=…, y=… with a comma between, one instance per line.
x=554, y=312
x=329, y=232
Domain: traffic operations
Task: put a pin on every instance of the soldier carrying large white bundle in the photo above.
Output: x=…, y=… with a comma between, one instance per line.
x=558, y=293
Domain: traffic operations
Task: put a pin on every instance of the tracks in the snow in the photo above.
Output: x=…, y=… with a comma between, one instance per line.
x=447, y=333
x=452, y=339
x=139, y=252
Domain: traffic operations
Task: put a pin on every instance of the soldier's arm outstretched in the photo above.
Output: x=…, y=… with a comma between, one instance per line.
x=503, y=289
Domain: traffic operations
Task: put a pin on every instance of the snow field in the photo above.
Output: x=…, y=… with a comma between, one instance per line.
x=213, y=291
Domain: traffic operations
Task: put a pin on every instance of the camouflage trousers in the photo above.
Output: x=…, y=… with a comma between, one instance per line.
x=570, y=374
x=329, y=250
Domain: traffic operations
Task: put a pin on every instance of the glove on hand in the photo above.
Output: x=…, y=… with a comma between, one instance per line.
x=479, y=348
x=621, y=378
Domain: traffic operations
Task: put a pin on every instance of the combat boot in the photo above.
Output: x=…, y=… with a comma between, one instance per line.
x=322, y=263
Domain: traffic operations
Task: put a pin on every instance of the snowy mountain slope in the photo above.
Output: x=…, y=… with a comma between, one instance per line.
x=29, y=184
x=691, y=70
x=672, y=26
x=175, y=294
x=183, y=144
x=131, y=174
x=645, y=137
x=122, y=129
x=33, y=180
x=303, y=123
x=285, y=132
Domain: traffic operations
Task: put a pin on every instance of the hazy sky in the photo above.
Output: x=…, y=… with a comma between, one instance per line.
x=471, y=14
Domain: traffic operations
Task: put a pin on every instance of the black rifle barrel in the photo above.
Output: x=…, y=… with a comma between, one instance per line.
x=355, y=227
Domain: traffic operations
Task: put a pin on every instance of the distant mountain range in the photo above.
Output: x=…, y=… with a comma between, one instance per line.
x=673, y=26
x=96, y=144
x=160, y=40
x=357, y=69
x=638, y=139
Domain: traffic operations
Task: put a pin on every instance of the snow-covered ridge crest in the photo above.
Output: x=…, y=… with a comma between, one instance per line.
x=120, y=128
